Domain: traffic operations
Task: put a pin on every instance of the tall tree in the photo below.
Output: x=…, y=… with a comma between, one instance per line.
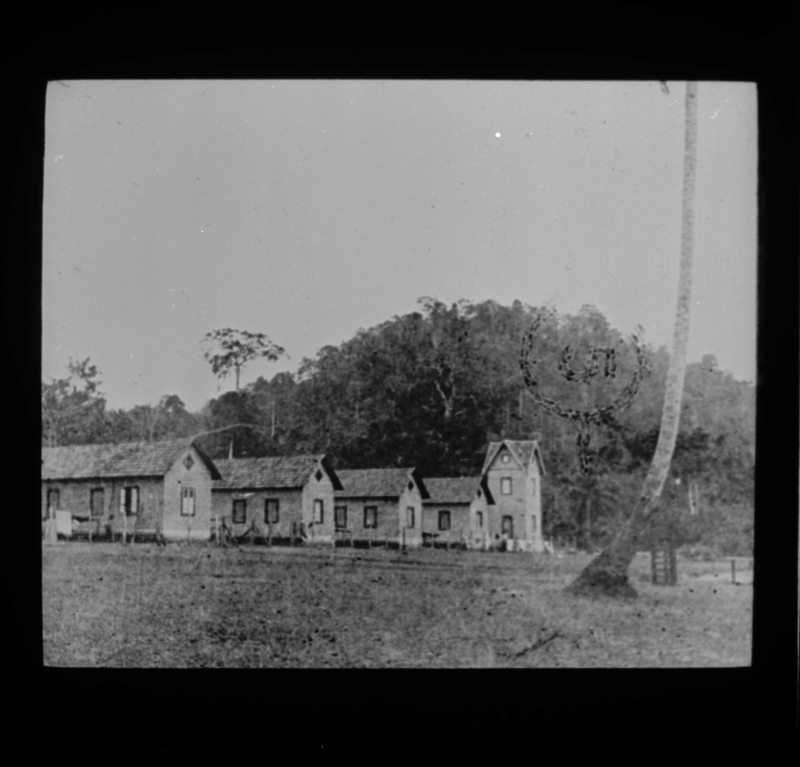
x=607, y=574
x=595, y=497
x=230, y=350
x=233, y=427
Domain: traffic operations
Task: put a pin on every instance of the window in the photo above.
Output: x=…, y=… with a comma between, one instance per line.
x=96, y=502
x=533, y=485
x=505, y=486
x=479, y=518
x=53, y=501
x=409, y=516
x=370, y=516
x=188, y=462
x=505, y=458
x=319, y=511
x=410, y=485
x=129, y=501
x=187, y=501
x=507, y=527
x=271, y=511
x=318, y=476
x=444, y=520
x=340, y=517
x=239, y=511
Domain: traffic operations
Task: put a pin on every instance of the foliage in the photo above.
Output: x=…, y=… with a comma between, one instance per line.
x=595, y=498
x=594, y=356
x=235, y=348
x=168, y=419
x=431, y=388
x=73, y=410
x=230, y=410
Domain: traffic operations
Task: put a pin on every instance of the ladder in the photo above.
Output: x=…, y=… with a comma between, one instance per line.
x=664, y=564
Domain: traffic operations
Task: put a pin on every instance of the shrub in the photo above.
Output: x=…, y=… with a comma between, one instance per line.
x=699, y=551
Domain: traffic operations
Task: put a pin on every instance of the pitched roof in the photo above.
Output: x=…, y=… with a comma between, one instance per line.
x=288, y=471
x=522, y=450
x=452, y=489
x=378, y=483
x=126, y=459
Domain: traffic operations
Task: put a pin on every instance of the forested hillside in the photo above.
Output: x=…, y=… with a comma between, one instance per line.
x=431, y=388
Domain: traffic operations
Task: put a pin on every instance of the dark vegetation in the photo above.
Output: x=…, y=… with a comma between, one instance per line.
x=433, y=387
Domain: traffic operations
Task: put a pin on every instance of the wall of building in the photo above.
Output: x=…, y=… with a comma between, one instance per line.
x=536, y=506
x=388, y=527
x=411, y=498
x=319, y=490
x=174, y=525
x=75, y=496
x=295, y=505
x=523, y=504
x=460, y=522
x=480, y=536
x=290, y=510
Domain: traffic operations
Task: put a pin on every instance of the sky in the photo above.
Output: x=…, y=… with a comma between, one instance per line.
x=308, y=209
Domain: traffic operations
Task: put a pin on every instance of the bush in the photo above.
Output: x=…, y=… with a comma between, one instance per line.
x=699, y=551
x=728, y=529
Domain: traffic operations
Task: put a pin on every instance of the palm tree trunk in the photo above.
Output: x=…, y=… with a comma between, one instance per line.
x=607, y=574
x=589, y=524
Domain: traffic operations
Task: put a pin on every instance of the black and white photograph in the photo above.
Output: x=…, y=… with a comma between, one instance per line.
x=398, y=373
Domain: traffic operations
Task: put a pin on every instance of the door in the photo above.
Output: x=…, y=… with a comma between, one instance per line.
x=187, y=502
x=53, y=502
x=97, y=502
x=507, y=528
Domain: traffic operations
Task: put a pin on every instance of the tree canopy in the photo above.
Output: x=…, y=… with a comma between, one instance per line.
x=433, y=387
x=229, y=350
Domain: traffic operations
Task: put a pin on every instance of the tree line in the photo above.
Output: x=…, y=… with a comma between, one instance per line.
x=433, y=387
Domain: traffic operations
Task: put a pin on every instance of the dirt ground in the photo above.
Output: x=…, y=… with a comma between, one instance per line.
x=201, y=606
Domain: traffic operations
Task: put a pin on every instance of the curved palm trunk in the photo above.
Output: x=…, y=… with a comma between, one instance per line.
x=607, y=574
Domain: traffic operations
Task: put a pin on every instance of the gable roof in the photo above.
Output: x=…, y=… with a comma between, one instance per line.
x=456, y=490
x=125, y=459
x=522, y=450
x=378, y=483
x=286, y=471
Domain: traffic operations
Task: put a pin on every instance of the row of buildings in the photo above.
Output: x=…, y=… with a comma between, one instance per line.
x=175, y=491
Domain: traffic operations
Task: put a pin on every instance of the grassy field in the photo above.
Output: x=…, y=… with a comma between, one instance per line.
x=200, y=606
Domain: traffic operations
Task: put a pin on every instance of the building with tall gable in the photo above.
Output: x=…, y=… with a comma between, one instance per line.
x=513, y=470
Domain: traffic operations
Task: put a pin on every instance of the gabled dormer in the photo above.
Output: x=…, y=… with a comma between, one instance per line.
x=524, y=455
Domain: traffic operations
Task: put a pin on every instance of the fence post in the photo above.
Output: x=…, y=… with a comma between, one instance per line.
x=733, y=571
x=673, y=563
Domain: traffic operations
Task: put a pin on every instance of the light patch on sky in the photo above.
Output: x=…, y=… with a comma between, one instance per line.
x=309, y=209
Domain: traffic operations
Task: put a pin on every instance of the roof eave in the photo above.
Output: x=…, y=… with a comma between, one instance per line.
x=423, y=491
x=255, y=488
x=334, y=477
x=103, y=477
x=206, y=459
